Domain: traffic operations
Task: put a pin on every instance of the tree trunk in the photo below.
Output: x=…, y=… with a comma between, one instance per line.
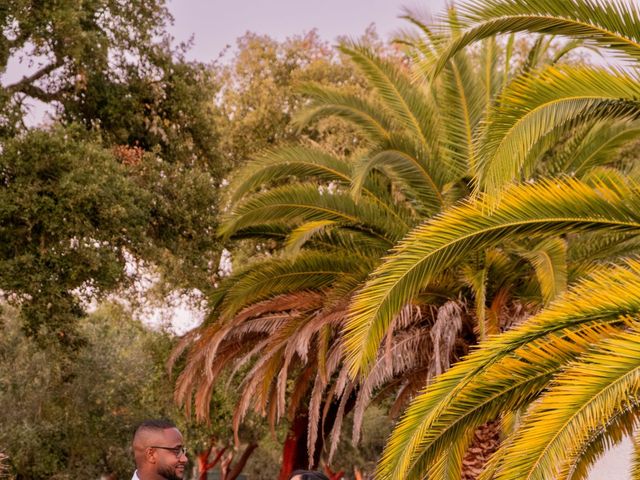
x=486, y=441
x=240, y=464
x=294, y=451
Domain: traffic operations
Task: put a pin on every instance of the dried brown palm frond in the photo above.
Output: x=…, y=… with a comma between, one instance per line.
x=4, y=465
x=260, y=328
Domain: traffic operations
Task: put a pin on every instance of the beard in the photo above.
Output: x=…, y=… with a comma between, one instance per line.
x=170, y=473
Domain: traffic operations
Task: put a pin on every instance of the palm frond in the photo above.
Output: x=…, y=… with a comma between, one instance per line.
x=550, y=207
x=510, y=369
x=365, y=115
x=598, y=145
x=284, y=163
x=549, y=260
x=612, y=25
x=462, y=106
x=308, y=270
x=580, y=400
x=602, y=440
x=535, y=105
x=407, y=167
x=414, y=111
x=295, y=204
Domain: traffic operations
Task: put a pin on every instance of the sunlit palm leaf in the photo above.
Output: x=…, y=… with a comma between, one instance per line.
x=535, y=105
x=620, y=426
x=609, y=24
x=581, y=399
x=510, y=369
x=549, y=260
x=550, y=207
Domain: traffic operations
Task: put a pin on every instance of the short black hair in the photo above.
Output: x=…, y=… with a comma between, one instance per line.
x=308, y=475
x=154, y=424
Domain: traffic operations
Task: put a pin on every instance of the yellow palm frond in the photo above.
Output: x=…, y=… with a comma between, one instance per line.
x=550, y=207
x=511, y=369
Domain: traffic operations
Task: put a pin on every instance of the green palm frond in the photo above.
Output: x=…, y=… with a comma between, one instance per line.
x=307, y=270
x=597, y=145
x=462, y=105
x=420, y=179
x=549, y=207
x=490, y=63
x=535, y=105
x=304, y=232
x=449, y=464
x=328, y=236
x=477, y=281
x=277, y=165
x=511, y=369
x=581, y=399
x=549, y=261
x=367, y=116
x=609, y=24
x=295, y=204
x=413, y=109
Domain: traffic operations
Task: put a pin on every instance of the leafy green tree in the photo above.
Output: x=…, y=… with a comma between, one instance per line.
x=73, y=213
x=70, y=41
x=75, y=416
x=139, y=188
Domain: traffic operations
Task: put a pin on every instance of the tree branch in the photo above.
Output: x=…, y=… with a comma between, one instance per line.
x=240, y=464
x=25, y=85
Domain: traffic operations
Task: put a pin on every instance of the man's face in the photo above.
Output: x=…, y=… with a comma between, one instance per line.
x=171, y=465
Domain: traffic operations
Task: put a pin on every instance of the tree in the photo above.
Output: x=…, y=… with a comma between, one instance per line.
x=72, y=214
x=553, y=436
x=329, y=219
x=550, y=345
x=138, y=188
x=66, y=416
x=70, y=43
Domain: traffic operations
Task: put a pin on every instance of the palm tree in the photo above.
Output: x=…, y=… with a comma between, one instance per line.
x=593, y=213
x=330, y=221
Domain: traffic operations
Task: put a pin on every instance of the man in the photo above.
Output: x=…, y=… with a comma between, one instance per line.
x=159, y=451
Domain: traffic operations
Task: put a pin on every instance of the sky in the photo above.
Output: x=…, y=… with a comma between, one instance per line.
x=215, y=24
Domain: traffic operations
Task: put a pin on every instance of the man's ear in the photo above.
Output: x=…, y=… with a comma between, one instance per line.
x=150, y=455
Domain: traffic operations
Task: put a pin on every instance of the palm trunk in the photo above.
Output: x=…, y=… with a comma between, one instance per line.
x=294, y=451
x=486, y=440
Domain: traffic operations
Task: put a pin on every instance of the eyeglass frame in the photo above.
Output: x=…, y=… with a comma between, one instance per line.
x=178, y=451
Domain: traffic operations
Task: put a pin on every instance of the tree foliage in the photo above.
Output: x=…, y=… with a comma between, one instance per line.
x=75, y=415
x=73, y=214
x=563, y=383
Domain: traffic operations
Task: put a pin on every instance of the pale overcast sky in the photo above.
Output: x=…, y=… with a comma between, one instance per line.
x=216, y=23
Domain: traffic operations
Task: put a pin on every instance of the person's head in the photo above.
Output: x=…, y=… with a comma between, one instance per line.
x=159, y=451
x=307, y=475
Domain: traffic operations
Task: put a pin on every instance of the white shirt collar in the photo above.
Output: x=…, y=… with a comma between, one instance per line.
x=135, y=476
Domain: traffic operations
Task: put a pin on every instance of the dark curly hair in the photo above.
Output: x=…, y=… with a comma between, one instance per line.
x=308, y=475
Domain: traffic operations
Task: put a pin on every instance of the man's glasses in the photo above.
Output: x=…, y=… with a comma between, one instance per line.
x=178, y=451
